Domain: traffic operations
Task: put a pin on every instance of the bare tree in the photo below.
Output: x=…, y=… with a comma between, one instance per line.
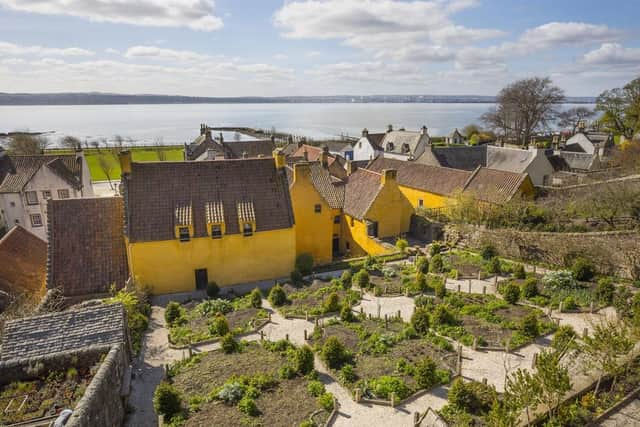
x=71, y=142
x=106, y=167
x=26, y=144
x=160, y=149
x=118, y=141
x=95, y=144
x=572, y=117
x=523, y=107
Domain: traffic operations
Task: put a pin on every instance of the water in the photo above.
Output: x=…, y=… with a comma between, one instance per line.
x=179, y=123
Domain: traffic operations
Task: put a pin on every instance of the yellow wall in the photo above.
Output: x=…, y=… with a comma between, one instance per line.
x=430, y=200
x=527, y=189
x=314, y=231
x=169, y=266
x=354, y=232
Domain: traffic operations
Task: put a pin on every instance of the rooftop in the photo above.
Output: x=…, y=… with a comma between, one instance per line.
x=17, y=171
x=332, y=192
x=361, y=190
x=23, y=257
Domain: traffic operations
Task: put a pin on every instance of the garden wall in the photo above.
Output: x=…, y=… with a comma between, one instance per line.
x=612, y=252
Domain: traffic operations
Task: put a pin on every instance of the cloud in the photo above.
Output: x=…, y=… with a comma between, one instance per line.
x=12, y=49
x=112, y=51
x=195, y=14
x=612, y=55
x=157, y=53
x=280, y=56
x=562, y=33
x=313, y=54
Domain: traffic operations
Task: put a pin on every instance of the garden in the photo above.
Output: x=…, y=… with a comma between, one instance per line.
x=245, y=383
x=44, y=396
x=381, y=358
x=194, y=322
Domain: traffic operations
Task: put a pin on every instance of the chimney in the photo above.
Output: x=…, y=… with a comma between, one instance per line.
x=245, y=155
x=324, y=157
x=305, y=155
x=203, y=128
x=300, y=143
x=211, y=154
x=388, y=175
x=350, y=167
x=423, y=130
x=582, y=125
x=220, y=137
x=279, y=159
x=365, y=132
x=389, y=128
x=125, y=162
x=301, y=171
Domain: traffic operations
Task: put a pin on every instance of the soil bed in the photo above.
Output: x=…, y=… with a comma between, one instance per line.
x=310, y=299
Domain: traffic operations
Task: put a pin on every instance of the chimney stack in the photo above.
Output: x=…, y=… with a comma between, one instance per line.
x=125, y=162
x=324, y=157
x=203, y=128
x=423, y=130
x=301, y=170
x=389, y=128
x=279, y=159
x=350, y=168
x=365, y=132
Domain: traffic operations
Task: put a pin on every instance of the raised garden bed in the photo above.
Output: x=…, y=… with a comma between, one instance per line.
x=281, y=401
x=197, y=317
x=382, y=357
x=45, y=396
x=312, y=299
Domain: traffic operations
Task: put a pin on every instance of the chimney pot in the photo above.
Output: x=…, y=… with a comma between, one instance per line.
x=365, y=132
x=389, y=128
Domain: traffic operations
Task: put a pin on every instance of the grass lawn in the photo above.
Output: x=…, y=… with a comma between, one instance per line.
x=139, y=154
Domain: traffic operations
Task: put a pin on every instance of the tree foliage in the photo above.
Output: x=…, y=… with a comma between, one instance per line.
x=25, y=144
x=620, y=108
x=571, y=118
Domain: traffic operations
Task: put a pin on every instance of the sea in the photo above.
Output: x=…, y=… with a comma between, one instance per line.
x=179, y=123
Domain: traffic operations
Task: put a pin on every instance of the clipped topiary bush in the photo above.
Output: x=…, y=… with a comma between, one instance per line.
x=488, y=251
x=564, y=338
x=583, y=270
x=442, y=316
x=256, y=298
x=346, y=279
x=277, y=296
x=172, y=312
x=316, y=388
x=511, y=293
x=529, y=325
x=383, y=386
x=569, y=303
x=530, y=288
x=333, y=353
x=425, y=373
x=347, y=374
x=518, y=272
x=402, y=245
x=303, y=360
x=332, y=303
x=167, y=400
x=326, y=401
x=420, y=320
x=228, y=344
x=435, y=248
x=219, y=326
x=346, y=315
x=362, y=278
x=304, y=264
x=605, y=291
x=422, y=264
x=212, y=290
x=494, y=266
x=437, y=264
x=248, y=406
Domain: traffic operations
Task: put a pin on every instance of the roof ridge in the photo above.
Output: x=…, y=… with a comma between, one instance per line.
x=471, y=177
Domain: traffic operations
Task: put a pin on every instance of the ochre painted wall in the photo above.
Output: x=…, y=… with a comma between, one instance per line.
x=314, y=230
x=169, y=266
x=354, y=233
x=430, y=200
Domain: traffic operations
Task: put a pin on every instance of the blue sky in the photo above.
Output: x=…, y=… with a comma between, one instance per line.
x=315, y=47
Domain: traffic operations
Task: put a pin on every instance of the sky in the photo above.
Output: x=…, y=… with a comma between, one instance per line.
x=315, y=47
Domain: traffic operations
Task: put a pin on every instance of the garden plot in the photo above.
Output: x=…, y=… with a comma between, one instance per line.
x=379, y=358
x=205, y=320
x=257, y=384
x=490, y=321
x=47, y=395
x=317, y=299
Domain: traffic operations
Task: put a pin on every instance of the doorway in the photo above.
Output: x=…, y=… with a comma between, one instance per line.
x=335, y=248
x=201, y=279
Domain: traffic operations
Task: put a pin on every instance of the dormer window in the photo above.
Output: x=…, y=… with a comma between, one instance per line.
x=216, y=231
x=183, y=222
x=390, y=146
x=215, y=219
x=247, y=229
x=405, y=148
x=317, y=208
x=247, y=217
x=183, y=234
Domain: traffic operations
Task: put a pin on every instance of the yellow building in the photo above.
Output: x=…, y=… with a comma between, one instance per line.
x=223, y=221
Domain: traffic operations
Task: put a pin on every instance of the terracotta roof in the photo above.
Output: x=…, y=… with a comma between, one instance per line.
x=330, y=188
x=17, y=171
x=361, y=190
x=87, y=252
x=494, y=186
x=101, y=324
x=336, y=163
x=23, y=257
x=434, y=179
x=154, y=189
x=313, y=153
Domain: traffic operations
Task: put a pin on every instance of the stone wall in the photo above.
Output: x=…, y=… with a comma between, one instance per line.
x=102, y=404
x=613, y=252
x=425, y=230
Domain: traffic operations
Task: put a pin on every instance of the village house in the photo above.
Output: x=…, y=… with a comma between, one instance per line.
x=394, y=144
x=589, y=142
x=206, y=147
x=310, y=153
x=27, y=183
x=455, y=138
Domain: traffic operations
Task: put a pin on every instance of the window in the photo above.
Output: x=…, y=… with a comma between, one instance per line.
x=317, y=208
x=183, y=233
x=420, y=202
x=63, y=194
x=372, y=229
x=390, y=146
x=46, y=194
x=336, y=219
x=247, y=229
x=347, y=245
x=405, y=148
x=352, y=222
x=32, y=197
x=360, y=144
x=12, y=204
x=36, y=220
x=216, y=231
x=17, y=221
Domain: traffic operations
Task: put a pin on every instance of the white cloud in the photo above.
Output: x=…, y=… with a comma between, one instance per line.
x=153, y=52
x=112, y=51
x=12, y=49
x=573, y=33
x=612, y=55
x=195, y=14
x=313, y=54
x=280, y=56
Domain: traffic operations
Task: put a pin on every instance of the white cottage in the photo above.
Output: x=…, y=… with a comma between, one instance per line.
x=393, y=144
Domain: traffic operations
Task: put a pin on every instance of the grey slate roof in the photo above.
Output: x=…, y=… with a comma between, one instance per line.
x=17, y=171
x=509, y=159
x=465, y=157
x=576, y=161
x=399, y=138
x=101, y=324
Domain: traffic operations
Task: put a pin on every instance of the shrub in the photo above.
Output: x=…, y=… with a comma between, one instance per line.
x=569, y=303
x=333, y=353
x=442, y=316
x=564, y=338
x=172, y=312
x=420, y=320
x=277, y=296
x=303, y=360
x=362, y=278
x=422, y=264
x=583, y=270
x=346, y=315
x=437, y=264
x=315, y=388
x=530, y=288
x=402, y=245
x=286, y=372
x=248, y=406
x=346, y=279
x=326, y=401
x=488, y=251
x=332, y=303
x=230, y=392
x=219, y=326
x=453, y=273
x=212, y=290
x=214, y=306
x=511, y=293
x=493, y=266
x=307, y=423
x=425, y=373
x=304, y=264
x=529, y=325
x=421, y=282
x=435, y=248
x=559, y=281
x=605, y=290
x=296, y=277
x=256, y=298
x=519, y=272
x=167, y=400
x=459, y=395
x=385, y=385
x=440, y=289
x=228, y=344
x=347, y=374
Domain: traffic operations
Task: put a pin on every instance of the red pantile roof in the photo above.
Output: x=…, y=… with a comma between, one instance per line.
x=23, y=262
x=361, y=190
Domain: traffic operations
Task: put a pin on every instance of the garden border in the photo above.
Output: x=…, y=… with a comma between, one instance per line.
x=213, y=340
x=626, y=399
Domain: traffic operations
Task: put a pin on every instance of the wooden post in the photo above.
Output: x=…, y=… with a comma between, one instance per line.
x=469, y=285
x=261, y=335
x=370, y=316
x=416, y=418
x=357, y=396
x=378, y=305
x=399, y=314
x=458, y=287
x=495, y=282
x=161, y=420
x=386, y=322
x=393, y=399
x=484, y=381
x=506, y=347
x=269, y=316
x=475, y=343
x=591, y=307
x=484, y=290
x=534, y=269
x=560, y=307
x=305, y=334
x=316, y=321
x=306, y=316
x=286, y=337
x=534, y=360
x=585, y=332
x=479, y=274
x=190, y=351
x=361, y=310
x=459, y=364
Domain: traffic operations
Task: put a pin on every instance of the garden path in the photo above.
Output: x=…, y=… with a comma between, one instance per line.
x=627, y=416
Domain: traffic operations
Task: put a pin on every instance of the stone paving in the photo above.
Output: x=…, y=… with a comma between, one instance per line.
x=627, y=416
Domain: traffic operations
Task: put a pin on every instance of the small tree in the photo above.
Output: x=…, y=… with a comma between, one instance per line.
x=422, y=264
x=333, y=353
x=530, y=288
x=583, y=270
x=346, y=278
x=256, y=298
x=167, y=400
x=437, y=264
x=488, y=251
x=425, y=373
x=605, y=290
x=519, y=272
x=494, y=266
x=346, y=315
x=25, y=144
x=402, y=245
x=332, y=303
x=564, y=339
x=529, y=325
x=442, y=316
x=212, y=290
x=420, y=320
x=421, y=282
x=71, y=142
x=362, y=278
x=511, y=293
x=552, y=380
x=304, y=264
x=277, y=296
x=521, y=388
x=303, y=360
x=172, y=312
x=228, y=344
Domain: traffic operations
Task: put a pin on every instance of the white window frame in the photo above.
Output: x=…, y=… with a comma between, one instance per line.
x=63, y=191
x=31, y=201
x=37, y=223
x=46, y=194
